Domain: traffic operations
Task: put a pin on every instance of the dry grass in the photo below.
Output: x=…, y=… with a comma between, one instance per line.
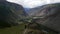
x=13, y=30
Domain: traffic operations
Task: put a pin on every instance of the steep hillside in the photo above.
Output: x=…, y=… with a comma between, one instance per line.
x=10, y=13
x=45, y=10
x=51, y=16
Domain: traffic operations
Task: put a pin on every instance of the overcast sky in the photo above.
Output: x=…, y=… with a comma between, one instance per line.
x=33, y=3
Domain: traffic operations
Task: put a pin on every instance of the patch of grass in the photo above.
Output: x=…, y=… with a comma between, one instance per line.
x=13, y=30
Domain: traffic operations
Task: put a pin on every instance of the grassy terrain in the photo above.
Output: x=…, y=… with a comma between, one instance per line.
x=13, y=30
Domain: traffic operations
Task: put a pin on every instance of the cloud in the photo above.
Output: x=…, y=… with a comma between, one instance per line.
x=33, y=3
x=29, y=3
x=16, y=1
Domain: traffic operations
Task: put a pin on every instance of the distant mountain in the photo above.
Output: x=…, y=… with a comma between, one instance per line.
x=31, y=11
x=27, y=10
x=44, y=10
